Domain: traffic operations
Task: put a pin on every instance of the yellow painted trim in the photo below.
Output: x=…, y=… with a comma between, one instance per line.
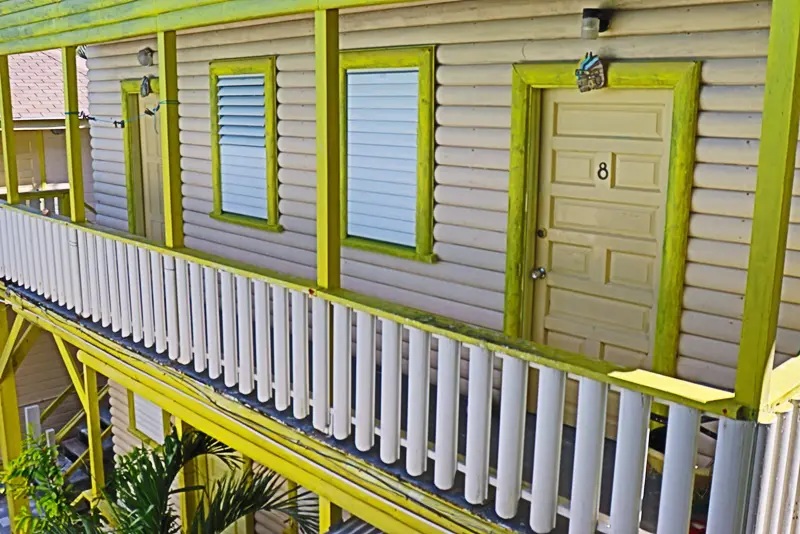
x=170, y=140
x=528, y=82
x=326, y=46
x=135, y=431
x=8, y=136
x=93, y=427
x=129, y=92
x=776, y=162
x=72, y=125
x=24, y=344
x=72, y=369
x=42, y=157
x=10, y=424
x=8, y=346
x=266, y=66
x=329, y=515
x=424, y=59
x=193, y=474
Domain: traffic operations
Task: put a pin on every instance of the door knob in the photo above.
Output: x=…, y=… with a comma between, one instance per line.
x=538, y=273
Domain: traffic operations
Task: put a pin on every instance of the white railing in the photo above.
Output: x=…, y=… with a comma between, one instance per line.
x=315, y=355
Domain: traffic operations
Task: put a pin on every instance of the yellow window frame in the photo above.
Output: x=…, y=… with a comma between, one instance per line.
x=423, y=58
x=256, y=65
x=134, y=430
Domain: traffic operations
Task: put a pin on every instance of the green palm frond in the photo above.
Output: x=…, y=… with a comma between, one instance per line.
x=238, y=495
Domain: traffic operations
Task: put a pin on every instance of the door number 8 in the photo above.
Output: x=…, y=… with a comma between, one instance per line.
x=602, y=171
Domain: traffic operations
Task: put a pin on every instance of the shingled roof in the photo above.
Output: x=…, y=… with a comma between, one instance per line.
x=37, y=87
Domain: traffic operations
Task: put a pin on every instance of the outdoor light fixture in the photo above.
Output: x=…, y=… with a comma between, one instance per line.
x=594, y=22
x=145, y=57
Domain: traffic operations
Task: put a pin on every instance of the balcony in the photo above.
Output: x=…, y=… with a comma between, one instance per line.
x=371, y=393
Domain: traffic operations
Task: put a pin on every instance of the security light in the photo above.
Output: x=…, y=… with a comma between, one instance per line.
x=594, y=22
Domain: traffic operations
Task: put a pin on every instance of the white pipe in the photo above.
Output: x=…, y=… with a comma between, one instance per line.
x=94, y=283
x=320, y=346
x=124, y=290
x=513, y=408
x=764, y=478
x=184, y=312
x=263, y=341
x=793, y=475
x=631, y=459
x=788, y=433
x=342, y=358
x=74, y=272
x=83, y=271
x=228, y=328
x=146, y=288
x=159, y=318
x=136, y=294
x=211, y=293
x=365, y=381
x=244, y=330
x=588, y=464
x=300, y=379
x=731, y=481
x=102, y=281
x=391, y=390
x=171, y=301
x=280, y=331
x=419, y=369
x=479, y=424
x=198, y=321
x=63, y=265
x=677, y=483
x=447, y=390
x=113, y=284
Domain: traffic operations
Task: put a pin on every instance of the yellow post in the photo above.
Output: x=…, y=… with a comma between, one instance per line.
x=72, y=123
x=7, y=124
x=170, y=142
x=291, y=492
x=10, y=425
x=776, y=160
x=93, y=426
x=326, y=42
x=329, y=515
x=195, y=473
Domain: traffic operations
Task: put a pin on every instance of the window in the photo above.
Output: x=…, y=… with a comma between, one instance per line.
x=244, y=142
x=387, y=160
x=146, y=420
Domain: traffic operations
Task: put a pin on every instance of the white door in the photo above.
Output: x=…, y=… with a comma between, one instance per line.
x=152, y=188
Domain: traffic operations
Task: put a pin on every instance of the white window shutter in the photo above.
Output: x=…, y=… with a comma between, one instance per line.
x=149, y=418
x=382, y=120
x=242, y=139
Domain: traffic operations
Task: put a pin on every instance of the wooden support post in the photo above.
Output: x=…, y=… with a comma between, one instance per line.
x=24, y=344
x=73, y=135
x=7, y=125
x=72, y=369
x=291, y=492
x=42, y=156
x=329, y=515
x=10, y=424
x=93, y=426
x=10, y=341
x=326, y=42
x=195, y=473
x=170, y=142
x=776, y=161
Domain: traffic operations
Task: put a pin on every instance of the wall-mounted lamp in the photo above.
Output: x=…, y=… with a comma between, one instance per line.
x=594, y=22
x=144, y=88
x=145, y=57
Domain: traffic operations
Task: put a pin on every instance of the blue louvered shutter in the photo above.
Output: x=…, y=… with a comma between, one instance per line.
x=382, y=124
x=242, y=139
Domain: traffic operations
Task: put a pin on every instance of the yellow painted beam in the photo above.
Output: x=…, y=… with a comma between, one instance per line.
x=7, y=125
x=9, y=344
x=326, y=45
x=170, y=142
x=10, y=424
x=24, y=343
x=73, y=135
x=72, y=369
x=95, y=435
x=776, y=161
x=329, y=515
x=193, y=474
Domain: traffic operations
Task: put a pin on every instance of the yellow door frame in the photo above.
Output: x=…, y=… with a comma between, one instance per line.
x=528, y=82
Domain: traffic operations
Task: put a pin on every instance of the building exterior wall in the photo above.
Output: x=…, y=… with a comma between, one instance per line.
x=477, y=42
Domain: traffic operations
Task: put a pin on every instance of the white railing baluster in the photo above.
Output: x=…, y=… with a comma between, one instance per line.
x=19, y=247
x=74, y=273
x=146, y=287
x=677, y=484
x=15, y=236
x=159, y=317
x=513, y=401
x=123, y=278
x=630, y=461
x=788, y=432
x=184, y=313
x=300, y=385
x=51, y=245
x=62, y=265
x=84, y=268
x=391, y=390
x=113, y=285
x=320, y=341
x=211, y=293
x=792, y=475
x=10, y=241
x=365, y=381
x=29, y=245
x=198, y=321
x=479, y=420
x=40, y=255
x=5, y=246
x=547, y=449
x=263, y=340
x=228, y=328
x=732, y=462
x=419, y=369
x=764, y=478
x=244, y=329
x=447, y=399
x=94, y=282
x=342, y=362
x=280, y=331
x=102, y=281
x=136, y=295
x=171, y=301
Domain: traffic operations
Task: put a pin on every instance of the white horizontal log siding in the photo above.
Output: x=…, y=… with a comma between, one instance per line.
x=382, y=116
x=477, y=42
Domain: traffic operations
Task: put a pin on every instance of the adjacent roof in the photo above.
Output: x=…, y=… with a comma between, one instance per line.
x=37, y=87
